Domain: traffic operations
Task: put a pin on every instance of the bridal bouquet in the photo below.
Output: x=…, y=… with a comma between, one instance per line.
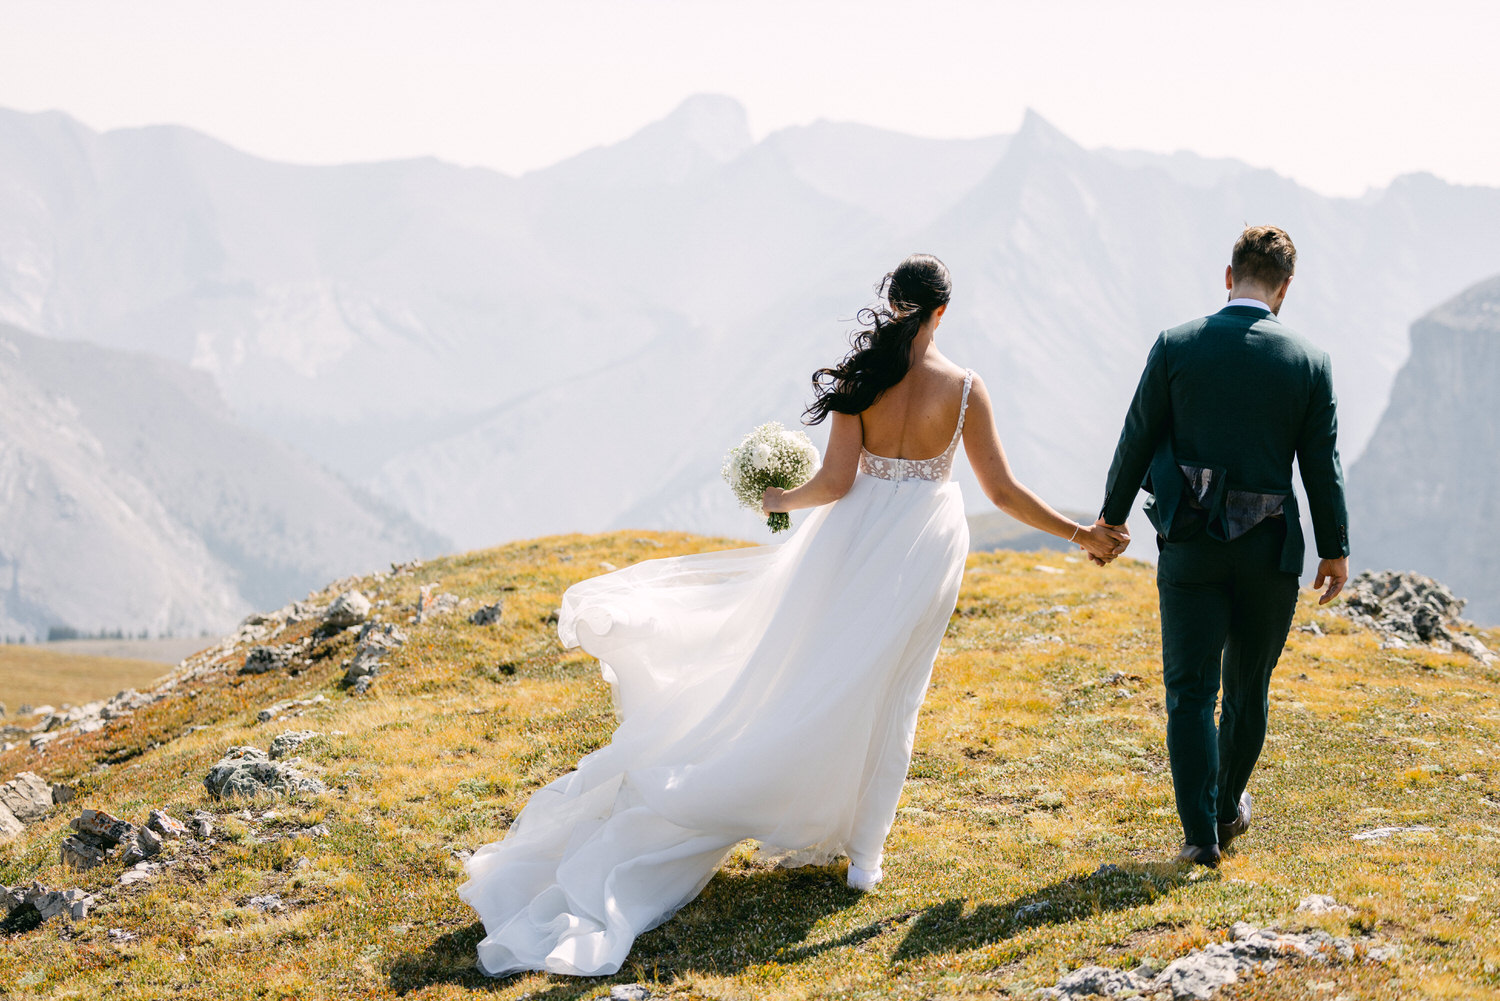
x=769, y=456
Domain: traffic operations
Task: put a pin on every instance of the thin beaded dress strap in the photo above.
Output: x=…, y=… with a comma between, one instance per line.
x=963, y=409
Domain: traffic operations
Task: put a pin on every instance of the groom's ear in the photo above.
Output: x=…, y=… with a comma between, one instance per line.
x=1229, y=276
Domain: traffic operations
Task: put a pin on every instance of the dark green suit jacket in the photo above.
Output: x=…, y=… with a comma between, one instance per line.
x=1240, y=394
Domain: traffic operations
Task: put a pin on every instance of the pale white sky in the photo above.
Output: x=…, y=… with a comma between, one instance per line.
x=1339, y=95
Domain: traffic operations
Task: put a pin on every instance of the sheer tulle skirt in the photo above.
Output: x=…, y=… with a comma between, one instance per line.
x=768, y=693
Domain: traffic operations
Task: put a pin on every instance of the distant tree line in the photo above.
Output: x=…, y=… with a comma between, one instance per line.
x=58, y=633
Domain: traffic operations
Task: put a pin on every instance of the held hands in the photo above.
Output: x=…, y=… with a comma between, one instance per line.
x=1336, y=572
x=1103, y=542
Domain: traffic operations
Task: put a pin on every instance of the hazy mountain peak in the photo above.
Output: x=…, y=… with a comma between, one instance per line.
x=1036, y=133
x=714, y=123
x=1476, y=308
x=701, y=133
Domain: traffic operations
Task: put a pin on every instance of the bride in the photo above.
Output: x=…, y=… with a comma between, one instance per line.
x=768, y=693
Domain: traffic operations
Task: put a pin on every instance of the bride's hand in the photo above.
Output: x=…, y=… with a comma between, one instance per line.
x=770, y=500
x=1104, y=542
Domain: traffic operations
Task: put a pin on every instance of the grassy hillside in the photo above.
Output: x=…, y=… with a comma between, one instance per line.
x=32, y=675
x=1039, y=759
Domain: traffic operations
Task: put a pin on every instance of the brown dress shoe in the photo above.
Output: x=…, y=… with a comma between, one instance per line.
x=1200, y=855
x=1239, y=825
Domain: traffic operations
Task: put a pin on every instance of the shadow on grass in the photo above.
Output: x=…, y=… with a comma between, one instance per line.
x=945, y=927
x=741, y=919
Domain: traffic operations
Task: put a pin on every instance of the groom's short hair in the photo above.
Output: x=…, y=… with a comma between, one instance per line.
x=1263, y=255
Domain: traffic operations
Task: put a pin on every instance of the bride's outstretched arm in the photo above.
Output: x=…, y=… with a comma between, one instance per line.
x=833, y=479
x=992, y=469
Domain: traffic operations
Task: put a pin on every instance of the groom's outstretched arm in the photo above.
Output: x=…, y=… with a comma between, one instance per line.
x=1145, y=422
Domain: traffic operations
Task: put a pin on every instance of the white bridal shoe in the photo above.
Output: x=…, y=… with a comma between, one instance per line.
x=863, y=879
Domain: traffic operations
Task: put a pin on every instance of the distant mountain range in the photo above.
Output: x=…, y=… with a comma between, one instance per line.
x=1426, y=492
x=575, y=348
x=131, y=499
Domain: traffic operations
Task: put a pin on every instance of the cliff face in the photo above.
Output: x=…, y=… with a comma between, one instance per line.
x=1426, y=493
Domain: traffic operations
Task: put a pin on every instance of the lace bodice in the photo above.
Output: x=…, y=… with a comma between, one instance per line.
x=936, y=468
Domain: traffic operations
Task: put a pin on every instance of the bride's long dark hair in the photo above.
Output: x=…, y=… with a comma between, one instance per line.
x=880, y=354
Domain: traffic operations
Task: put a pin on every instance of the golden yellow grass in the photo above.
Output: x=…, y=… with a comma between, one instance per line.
x=1031, y=771
x=33, y=676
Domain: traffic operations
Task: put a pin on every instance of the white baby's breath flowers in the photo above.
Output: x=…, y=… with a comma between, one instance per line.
x=769, y=456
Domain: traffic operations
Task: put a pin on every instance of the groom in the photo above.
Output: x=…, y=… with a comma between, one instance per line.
x=1224, y=405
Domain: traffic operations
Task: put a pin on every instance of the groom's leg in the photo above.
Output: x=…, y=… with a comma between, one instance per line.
x=1193, y=581
x=1264, y=601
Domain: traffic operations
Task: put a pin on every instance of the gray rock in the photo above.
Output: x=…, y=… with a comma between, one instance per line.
x=288, y=707
x=164, y=824
x=203, y=824
x=139, y=873
x=489, y=615
x=261, y=659
x=71, y=904
x=77, y=853
x=1199, y=974
x=629, y=992
x=376, y=639
x=1321, y=903
x=431, y=602
x=1089, y=981
x=348, y=609
x=28, y=796
x=247, y=771
x=63, y=794
x=362, y=684
x=267, y=903
x=285, y=743
x=1382, y=833
x=121, y=935
x=100, y=827
x=147, y=843
x=9, y=825
x=1407, y=609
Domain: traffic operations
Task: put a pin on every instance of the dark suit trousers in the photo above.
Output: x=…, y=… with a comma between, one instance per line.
x=1226, y=609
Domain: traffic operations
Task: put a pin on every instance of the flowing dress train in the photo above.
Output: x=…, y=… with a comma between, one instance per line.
x=768, y=693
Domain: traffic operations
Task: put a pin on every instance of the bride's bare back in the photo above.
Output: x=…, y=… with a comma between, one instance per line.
x=915, y=418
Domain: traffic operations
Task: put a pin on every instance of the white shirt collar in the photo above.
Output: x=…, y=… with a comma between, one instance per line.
x=1249, y=302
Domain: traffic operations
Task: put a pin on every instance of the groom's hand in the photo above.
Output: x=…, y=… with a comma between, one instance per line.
x=1105, y=542
x=1336, y=573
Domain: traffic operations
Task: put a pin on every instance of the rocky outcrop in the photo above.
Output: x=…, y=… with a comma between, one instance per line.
x=28, y=797
x=348, y=609
x=249, y=771
x=262, y=659
x=283, y=744
x=1408, y=609
x=39, y=903
x=1425, y=495
x=376, y=641
x=1199, y=975
x=489, y=615
x=97, y=835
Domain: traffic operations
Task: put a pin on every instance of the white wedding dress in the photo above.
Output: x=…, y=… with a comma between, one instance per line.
x=768, y=693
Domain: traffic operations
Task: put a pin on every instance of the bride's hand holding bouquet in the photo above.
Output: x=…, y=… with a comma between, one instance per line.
x=768, y=462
